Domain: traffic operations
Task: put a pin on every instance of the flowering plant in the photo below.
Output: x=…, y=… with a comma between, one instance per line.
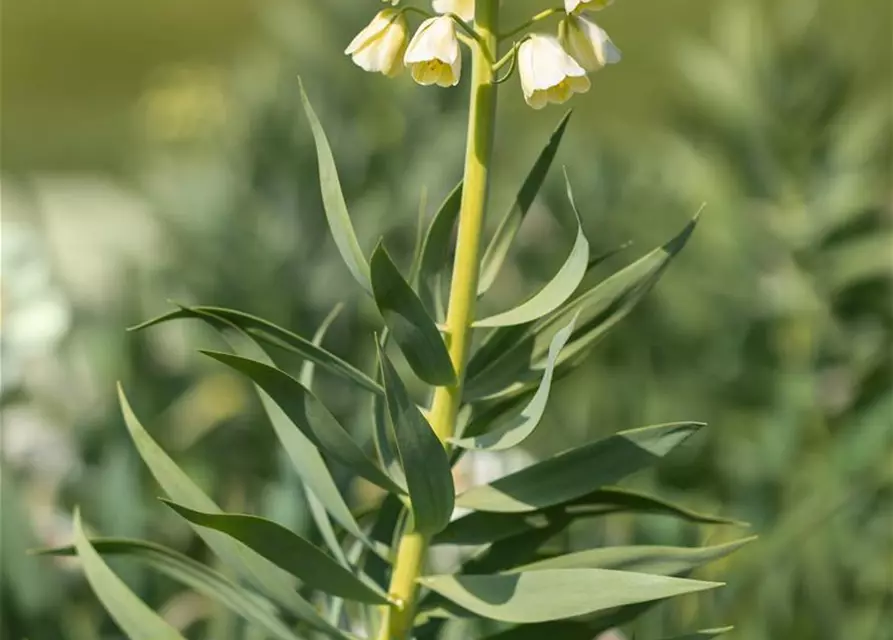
x=488, y=379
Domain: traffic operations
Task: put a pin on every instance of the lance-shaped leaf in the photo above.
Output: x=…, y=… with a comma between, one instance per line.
x=513, y=370
x=556, y=594
x=220, y=318
x=706, y=634
x=410, y=325
x=288, y=551
x=272, y=580
x=253, y=608
x=520, y=426
x=502, y=240
x=311, y=416
x=664, y=561
x=575, y=629
x=422, y=457
x=434, y=258
x=557, y=291
x=333, y=201
x=576, y=472
x=130, y=613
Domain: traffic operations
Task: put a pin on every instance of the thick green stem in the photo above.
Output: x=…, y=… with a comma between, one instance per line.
x=413, y=547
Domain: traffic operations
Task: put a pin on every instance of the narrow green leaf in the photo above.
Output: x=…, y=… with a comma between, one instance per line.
x=576, y=630
x=130, y=613
x=556, y=594
x=333, y=201
x=576, y=472
x=664, y=561
x=255, y=609
x=421, y=454
x=383, y=432
x=286, y=550
x=706, y=634
x=435, y=255
x=520, y=426
x=310, y=415
x=557, y=291
x=502, y=240
x=410, y=325
x=416, y=264
x=270, y=334
x=177, y=485
x=308, y=367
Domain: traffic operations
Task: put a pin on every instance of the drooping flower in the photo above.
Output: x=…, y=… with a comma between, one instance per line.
x=380, y=45
x=571, y=5
x=587, y=42
x=462, y=8
x=548, y=72
x=433, y=54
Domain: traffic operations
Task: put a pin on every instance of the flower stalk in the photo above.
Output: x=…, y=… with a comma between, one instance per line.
x=413, y=547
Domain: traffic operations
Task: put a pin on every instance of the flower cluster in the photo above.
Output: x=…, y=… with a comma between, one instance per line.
x=551, y=68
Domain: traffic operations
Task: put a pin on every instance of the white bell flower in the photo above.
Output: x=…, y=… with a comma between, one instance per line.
x=571, y=5
x=587, y=42
x=433, y=54
x=548, y=72
x=462, y=8
x=380, y=45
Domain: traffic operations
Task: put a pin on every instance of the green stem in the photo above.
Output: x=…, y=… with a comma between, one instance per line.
x=413, y=547
x=542, y=15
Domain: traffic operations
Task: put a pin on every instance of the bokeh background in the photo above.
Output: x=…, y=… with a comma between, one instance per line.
x=156, y=151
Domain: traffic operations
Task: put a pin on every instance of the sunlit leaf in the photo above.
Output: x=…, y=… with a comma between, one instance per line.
x=578, y=471
x=435, y=255
x=502, y=240
x=254, y=608
x=556, y=594
x=130, y=613
x=333, y=201
x=410, y=325
x=286, y=550
x=422, y=457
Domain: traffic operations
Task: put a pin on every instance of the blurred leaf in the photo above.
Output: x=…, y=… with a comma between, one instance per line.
x=422, y=456
x=130, y=613
x=333, y=201
x=665, y=561
x=554, y=594
x=517, y=429
x=286, y=550
x=309, y=414
x=578, y=471
x=557, y=290
x=252, y=607
x=483, y=527
x=706, y=634
x=410, y=325
x=271, y=334
x=435, y=254
x=502, y=240
x=177, y=485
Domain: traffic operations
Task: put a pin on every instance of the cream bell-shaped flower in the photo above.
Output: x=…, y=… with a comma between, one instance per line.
x=433, y=55
x=571, y=5
x=380, y=45
x=587, y=42
x=548, y=72
x=462, y=8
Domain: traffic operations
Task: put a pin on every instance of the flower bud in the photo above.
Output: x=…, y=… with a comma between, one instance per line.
x=433, y=54
x=380, y=45
x=462, y=8
x=571, y=5
x=587, y=43
x=548, y=73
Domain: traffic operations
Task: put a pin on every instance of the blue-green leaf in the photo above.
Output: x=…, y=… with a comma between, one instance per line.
x=410, y=325
x=557, y=291
x=556, y=594
x=578, y=471
x=421, y=453
x=131, y=614
x=521, y=425
x=333, y=201
x=288, y=551
x=499, y=245
x=435, y=255
x=255, y=609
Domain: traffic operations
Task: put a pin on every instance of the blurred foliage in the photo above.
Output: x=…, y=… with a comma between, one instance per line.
x=776, y=326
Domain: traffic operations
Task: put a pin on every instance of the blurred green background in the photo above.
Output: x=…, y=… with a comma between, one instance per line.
x=156, y=151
